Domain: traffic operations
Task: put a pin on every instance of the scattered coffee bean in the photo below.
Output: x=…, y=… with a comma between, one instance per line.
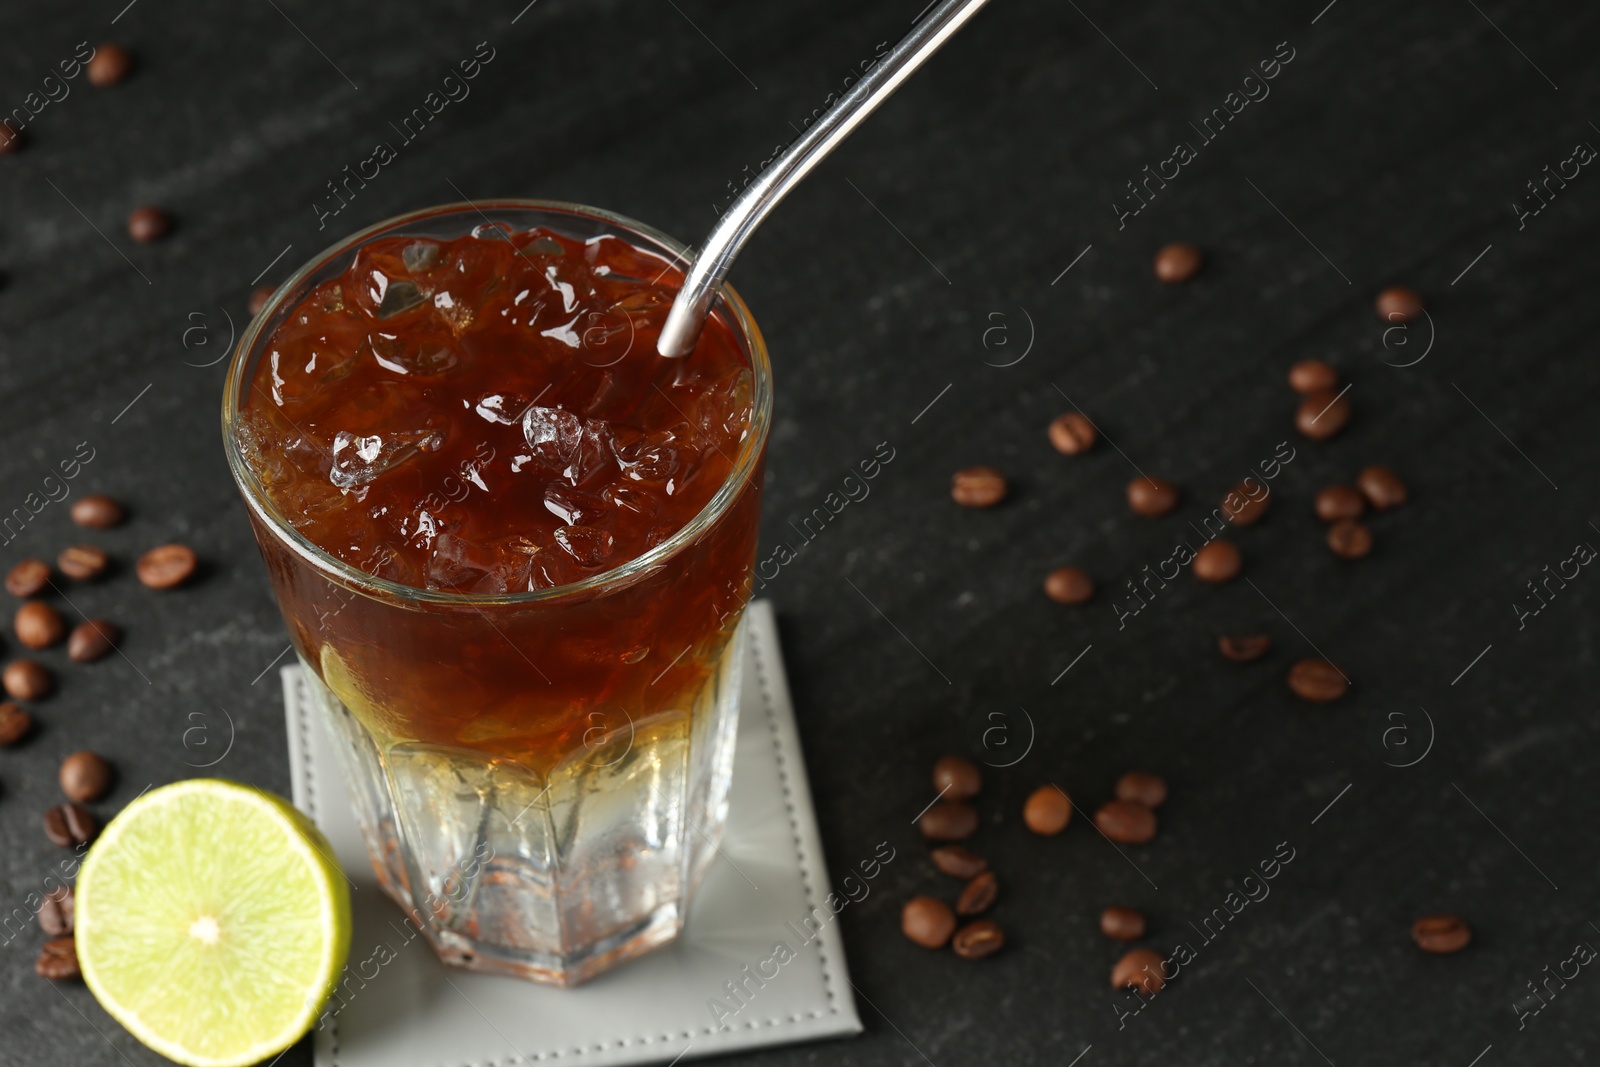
x=1072, y=433
x=85, y=777
x=1126, y=822
x=1322, y=415
x=56, y=912
x=1122, y=924
x=1382, y=487
x=1244, y=648
x=109, y=65
x=58, y=960
x=69, y=825
x=1047, y=811
x=97, y=511
x=1152, y=497
x=25, y=679
x=259, y=297
x=1398, y=304
x=958, y=861
x=949, y=820
x=28, y=578
x=978, y=487
x=1317, y=681
x=1349, y=539
x=148, y=224
x=1218, y=562
x=1069, y=585
x=957, y=777
x=166, y=566
x=977, y=940
x=927, y=921
x=82, y=563
x=1339, y=502
x=1177, y=262
x=1141, y=970
x=979, y=895
x=91, y=640
x=1313, y=376
x=1142, y=787
x=14, y=724
x=38, y=625
x=1243, y=509
x=10, y=137
x=1441, y=933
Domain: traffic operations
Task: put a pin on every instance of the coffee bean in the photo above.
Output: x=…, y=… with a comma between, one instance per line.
x=1313, y=376
x=85, y=777
x=957, y=777
x=1142, y=787
x=1242, y=508
x=1382, y=487
x=14, y=724
x=166, y=566
x=957, y=861
x=82, y=563
x=109, y=65
x=24, y=679
x=1072, y=433
x=1122, y=924
x=28, y=578
x=38, y=625
x=976, y=940
x=1322, y=415
x=70, y=825
x=259, y=297
x=1126, y=822
x=1152, y=497
x=97, y=511
x=1177, y=262
x=1047, y=811
x=1317, y=681
x=58, y=960
x=1244, y=648
x=1218, y=562
x=927, y=921
x=10, y=137
x=1441, y=933
x=91, y=640
x=949, y=820
x=979, y=895
x=1141, y=970
x=978, y=487
x=1349, y=539
x=56, y=912
x=1338, y=502
x=1398, y=304
x=148, y=224
x=1069, y=585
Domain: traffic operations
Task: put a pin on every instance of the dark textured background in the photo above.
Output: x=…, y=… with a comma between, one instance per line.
x=1394, y=143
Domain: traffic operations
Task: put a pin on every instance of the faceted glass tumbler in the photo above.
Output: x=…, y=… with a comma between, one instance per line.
x=541, y=778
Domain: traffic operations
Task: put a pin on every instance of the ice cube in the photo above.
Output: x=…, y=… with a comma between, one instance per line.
x=358, y=460
x=592, y=460
x=650, y=457
x=552, y=433
x=412, y=352
x=421, y=256
x=588, y=545
x=462, y=566
x=502, y=408
x=574, y=507
x=399, y=296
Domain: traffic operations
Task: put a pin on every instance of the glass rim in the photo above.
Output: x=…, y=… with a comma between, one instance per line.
x=266, y=511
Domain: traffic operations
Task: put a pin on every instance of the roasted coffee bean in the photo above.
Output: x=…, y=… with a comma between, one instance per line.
x=1322, y=415
x=109, y=65
x=1152, y=497
x=25, y=679
x=148, y=224
x=1069, y=585
x=976, y=940
x=1126, y=822
x=28, y=578
x=1218, y=562
x=85, y=777
x=958, y=862
x=979, y=895
x=70, y=825
x=1142, y=787
x=1072, y=433
x=1047, y=811
x=38, y=625
x=82, y=563
x=1244, y=648
x=978, y=487
x=1349, y=539
x=166, y=566
x=58, y=960
x=98, y=512
x=56, y=912
x=1242, y=508
x=1318, y=681
x=957, y=777
x=1339, y=502
x=1313, y=376
x=259, y=297
x=1382, y=487
x=14, y=724
x=1441, y=933
x=1398, y=304
x=1177, y=262
x=91, y=640
x=1122, y=924
x=949, y=820
x=927, y=921
x=1140, y=969
x=10, y=137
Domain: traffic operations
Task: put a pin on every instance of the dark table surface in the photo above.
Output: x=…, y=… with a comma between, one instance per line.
x=944, y=284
